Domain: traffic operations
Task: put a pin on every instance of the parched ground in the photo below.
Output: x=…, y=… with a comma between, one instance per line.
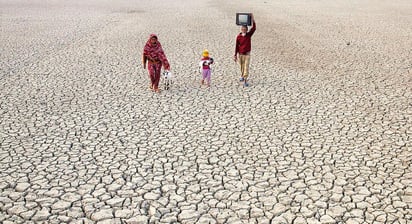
x=322, y=135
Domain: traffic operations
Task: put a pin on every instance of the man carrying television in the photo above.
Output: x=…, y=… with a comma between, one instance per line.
x=243, y=48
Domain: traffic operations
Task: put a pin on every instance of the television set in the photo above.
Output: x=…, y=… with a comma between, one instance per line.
x=243, y=19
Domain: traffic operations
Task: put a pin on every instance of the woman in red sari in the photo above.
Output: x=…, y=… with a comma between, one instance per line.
x=155, y=56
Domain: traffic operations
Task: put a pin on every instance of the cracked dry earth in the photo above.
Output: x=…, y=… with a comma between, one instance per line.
x=322, y=135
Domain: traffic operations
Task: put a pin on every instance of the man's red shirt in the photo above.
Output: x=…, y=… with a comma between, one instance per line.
x=243, y=43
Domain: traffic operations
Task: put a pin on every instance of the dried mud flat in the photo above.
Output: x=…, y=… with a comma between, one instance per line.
x=322, y=135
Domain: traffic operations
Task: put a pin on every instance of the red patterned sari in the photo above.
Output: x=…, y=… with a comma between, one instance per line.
x=155, y=56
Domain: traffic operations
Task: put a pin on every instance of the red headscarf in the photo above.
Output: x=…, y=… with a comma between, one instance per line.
x=155, y=52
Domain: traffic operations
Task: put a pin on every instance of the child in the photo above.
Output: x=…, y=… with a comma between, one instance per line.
x=205, y=63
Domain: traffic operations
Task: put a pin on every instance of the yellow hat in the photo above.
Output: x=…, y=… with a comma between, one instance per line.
x=205, y=53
